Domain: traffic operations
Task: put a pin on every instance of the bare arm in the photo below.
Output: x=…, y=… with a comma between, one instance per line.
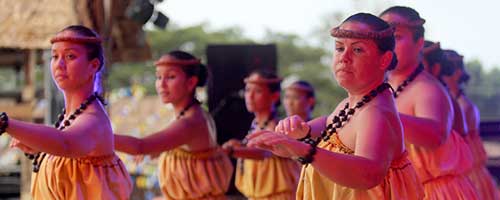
x=431, y=122
x=179, y=132
x=251, y=153
x=363, y=170
x=235, y=149
x=317, y=126
x=472, y=117
x=293, y=126
x=79, y=139
x=375, y=146
x=296, y=128
x=459, y=123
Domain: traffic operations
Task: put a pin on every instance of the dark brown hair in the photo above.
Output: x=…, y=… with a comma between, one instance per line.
x=411, y=15
x=376, y=24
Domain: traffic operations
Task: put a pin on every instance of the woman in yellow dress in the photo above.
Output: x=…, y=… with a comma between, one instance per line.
x=432, y=61
x=76, y=159
x=479, y=174
x=260, y=174
x=192, y=165
x=437, y=151
x=358, y=151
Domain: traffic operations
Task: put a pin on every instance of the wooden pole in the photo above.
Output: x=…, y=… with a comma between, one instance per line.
x=28, y=96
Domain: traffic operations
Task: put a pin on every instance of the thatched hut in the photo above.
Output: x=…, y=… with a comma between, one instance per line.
x=26, y=27
x=29, y=24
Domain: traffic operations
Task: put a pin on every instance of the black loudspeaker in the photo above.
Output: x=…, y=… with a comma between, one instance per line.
x=228, y=66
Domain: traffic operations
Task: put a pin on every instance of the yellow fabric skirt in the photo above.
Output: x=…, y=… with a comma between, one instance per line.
x=443, y=170
x=484, y=183
x=401, y=181
x=273, y=178
x=198, y=175
x=103, y=177
x=450, y=187
x=479, y=175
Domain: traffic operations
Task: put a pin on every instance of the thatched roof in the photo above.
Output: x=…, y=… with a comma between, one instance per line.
x=29, y=24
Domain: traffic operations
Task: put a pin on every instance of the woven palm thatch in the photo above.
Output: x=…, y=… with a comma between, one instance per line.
x=29, y=24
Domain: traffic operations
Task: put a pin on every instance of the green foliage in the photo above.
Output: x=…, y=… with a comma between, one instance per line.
x=294, y=57
x=483, y=89
x=192, y=39
x=297, y=58
x=126, y=74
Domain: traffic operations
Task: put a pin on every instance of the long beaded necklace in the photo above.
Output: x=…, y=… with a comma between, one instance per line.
x=184, y=110
x=253, y=127
x=408, y=80
x=343, y=116
x=61, y=124
x=255, y=124
x=341, y=119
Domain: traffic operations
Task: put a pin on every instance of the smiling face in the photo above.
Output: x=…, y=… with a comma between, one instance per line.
x=172, y=84
x=70, y=66
x=357, y=63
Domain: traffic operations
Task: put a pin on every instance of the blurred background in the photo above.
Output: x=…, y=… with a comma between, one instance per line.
x=233, y=37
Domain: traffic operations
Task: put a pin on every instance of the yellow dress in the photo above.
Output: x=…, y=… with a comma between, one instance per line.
x=103, y=177
x=189, y=175
x=400, y=183
x=443, y=170
x=479, y=175
x=273, y=178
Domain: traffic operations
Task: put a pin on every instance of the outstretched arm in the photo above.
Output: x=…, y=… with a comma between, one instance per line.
x=178, y=133
x=296, y=128
x=365, y=169
x=235, y=148
x=459, y=123
x=432, y=119
x=77, y=140
x=251, y=153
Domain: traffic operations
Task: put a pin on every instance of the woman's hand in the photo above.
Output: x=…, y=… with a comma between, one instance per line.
x=293, y=127
x=228, y=147
x=232, y=143
x=14, y=143
x=277, y=143
x=138, y=159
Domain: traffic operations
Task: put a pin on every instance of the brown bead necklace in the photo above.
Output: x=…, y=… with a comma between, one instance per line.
x=61, y=124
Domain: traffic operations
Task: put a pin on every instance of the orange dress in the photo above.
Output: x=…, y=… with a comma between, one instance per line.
x=200, y=175
x=195, y=175
x=479, y=175
x=443, y=170
x=273, y=178
x=401, y=181
x=103, y=177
